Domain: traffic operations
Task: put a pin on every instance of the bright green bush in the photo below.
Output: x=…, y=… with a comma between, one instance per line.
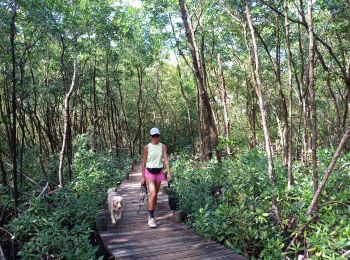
x=60, y=225
x=231, y=203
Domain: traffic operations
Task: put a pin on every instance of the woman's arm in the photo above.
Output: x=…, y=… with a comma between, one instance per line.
x=144, y=160
x=166, y=161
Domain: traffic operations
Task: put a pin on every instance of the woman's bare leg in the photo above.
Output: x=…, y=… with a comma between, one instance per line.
x=153, y=188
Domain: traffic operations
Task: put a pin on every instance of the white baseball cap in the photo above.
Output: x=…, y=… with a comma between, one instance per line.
x=154, y=131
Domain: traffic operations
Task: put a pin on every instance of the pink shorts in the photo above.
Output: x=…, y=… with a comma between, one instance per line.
x=158, y=177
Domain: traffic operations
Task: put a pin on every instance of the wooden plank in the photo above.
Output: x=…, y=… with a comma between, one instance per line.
x=154, y=247
x=216, y=255
x=164, y=249
x=164, y=228
x=168, y=252
x=196, y=254
x=142, y=243
x=173, y=235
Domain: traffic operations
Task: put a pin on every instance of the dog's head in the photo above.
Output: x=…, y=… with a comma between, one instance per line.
x=110, y=190
x=117, y=202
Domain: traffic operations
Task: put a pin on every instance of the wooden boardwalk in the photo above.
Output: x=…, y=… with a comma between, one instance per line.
x=131, y=238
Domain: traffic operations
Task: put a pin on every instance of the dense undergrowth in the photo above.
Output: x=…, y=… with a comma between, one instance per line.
x=230, y=203
x=60, y=225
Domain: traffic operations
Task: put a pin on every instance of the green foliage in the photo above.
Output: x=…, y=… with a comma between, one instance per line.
x=61, y=224
x=231, y=203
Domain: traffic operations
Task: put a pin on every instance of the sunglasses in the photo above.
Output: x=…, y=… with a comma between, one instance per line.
x=156, y=135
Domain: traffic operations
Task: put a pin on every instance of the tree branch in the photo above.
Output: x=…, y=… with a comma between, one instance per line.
x=328, y=47
x=177, y=43
x=329, y=170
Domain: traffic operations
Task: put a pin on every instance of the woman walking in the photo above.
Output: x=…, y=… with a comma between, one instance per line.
x=152, y=170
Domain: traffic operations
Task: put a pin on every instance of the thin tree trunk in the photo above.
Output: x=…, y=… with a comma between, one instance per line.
x=161, y=113
x=347, y=102
x=110, y=111
x=186, y=100
x=290, y=130
x=123, y=115
x=258, y=89
x=95, y=116
x=283, y=103
x=312, y=100
x=5, y=115
x=3, y=170
x=303, y=100
x=203, y=95
x=224, y=104
x=63, y=66
x=69, y=146
x=66, y=112
x=251, y=113
x=282, y=112
x=137, y=136
x=139, y=108
x=206, y=110
x=188, y=108
x=175, y=133
x=342, y=144
x=22, y=124
x=29, y=106
x=14, y=102
x=334, y=98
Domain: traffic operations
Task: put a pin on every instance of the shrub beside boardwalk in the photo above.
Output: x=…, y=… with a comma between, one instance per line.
x=60, y=225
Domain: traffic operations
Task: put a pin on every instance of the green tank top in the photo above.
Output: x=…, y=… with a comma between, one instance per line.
x=154, y=157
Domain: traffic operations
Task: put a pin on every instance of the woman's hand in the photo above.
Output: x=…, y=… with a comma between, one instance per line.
x=168, y=176
x=143, y=181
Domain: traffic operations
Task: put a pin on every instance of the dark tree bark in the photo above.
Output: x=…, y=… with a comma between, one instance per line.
x=251, y=113
x=5, y=115
x=14, y=102
x=3, y=170
x=34, y=139
x=304, y=98
x=110, y=112
x=138, y=133
x=22, y=121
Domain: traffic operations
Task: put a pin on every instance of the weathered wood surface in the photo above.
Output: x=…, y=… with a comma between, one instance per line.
x=131, y=238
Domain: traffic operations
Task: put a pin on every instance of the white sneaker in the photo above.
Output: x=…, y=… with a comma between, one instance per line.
x=152, y=223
